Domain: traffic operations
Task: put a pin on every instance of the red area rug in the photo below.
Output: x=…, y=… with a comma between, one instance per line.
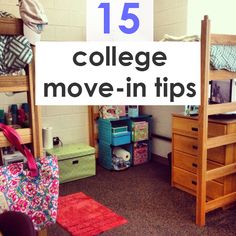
x=82, y=216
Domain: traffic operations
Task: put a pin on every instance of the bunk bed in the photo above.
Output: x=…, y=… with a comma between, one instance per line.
x=204, y=205
x=13, y=83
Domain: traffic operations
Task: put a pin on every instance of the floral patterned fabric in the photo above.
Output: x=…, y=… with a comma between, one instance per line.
x=35, y=196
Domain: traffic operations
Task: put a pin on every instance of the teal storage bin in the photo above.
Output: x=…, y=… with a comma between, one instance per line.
x=120, y=138
x=119, y=129
x=76, y=161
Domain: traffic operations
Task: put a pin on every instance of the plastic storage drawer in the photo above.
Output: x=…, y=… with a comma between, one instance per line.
x=120, y=138
x=139, y=131
x=120, y=129
x=76, y=161
x=140, y=153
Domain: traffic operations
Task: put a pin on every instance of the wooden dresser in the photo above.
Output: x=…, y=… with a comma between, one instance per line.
x=184, y=155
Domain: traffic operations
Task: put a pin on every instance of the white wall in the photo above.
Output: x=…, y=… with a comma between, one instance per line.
x=170, y=17
x=221, y=13
x=162, y=125
x=66, y=23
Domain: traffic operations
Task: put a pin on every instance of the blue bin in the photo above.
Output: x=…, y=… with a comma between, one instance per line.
x=120, y=138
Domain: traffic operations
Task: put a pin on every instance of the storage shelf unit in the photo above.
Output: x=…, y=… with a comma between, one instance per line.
x=147, y=141
x=106, y=137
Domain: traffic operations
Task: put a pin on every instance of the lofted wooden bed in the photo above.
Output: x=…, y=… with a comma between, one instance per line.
x=203, y=176
x=33, y=135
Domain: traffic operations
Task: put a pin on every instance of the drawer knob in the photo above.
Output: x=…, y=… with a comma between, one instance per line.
x=195, y=147
x=194, y=165
x=194, y=182
x=75, y=162
x=194, y=129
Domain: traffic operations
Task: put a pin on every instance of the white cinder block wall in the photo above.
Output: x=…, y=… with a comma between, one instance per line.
x=66, y=23
x=170, y=17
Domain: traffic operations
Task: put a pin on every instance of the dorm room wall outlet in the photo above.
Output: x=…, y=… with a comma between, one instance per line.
x=56, y=141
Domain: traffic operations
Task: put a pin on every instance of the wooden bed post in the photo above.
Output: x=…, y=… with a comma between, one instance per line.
x=35, y=114
x=203, y=125
x=36, y=124
x=91, y=126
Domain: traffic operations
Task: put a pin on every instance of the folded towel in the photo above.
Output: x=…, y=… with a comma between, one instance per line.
x=184, y=38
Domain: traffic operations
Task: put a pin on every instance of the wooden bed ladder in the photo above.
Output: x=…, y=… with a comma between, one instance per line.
x=25, y=83
x=202, y=205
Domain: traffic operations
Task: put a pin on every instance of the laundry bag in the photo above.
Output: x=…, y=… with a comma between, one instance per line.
x=32, y=190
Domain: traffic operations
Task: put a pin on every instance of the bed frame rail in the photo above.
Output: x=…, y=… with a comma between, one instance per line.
x=224, y=39
x=11, y=26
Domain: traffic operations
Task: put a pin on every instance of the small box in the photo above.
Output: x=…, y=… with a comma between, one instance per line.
x=140, y=153
x=122, y=111
x=119, y=129
x=76, y=161
x=13, y=158
x=139, y=131
x=120, y=138
x=109, y=112
x=133, y=111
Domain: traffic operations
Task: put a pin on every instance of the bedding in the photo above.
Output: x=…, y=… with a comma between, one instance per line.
x=223, y=57
x=183, y=38
x=15, y=51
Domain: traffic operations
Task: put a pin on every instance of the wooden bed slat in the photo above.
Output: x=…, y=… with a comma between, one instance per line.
x=221, y=171
x=222, y=75
x=14, y=83
x=221, y=140
x=220, y=202
x=11, y=26
x=26, y=135
x=221, y=108
x=225, y=39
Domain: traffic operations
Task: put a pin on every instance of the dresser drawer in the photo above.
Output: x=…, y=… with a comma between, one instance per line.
x=185, y=144
x=190, y=146
x=217, y=154
x=185, y=126
x=185, y=161
x=190, y=127
x=189, y=181
x=189, y=163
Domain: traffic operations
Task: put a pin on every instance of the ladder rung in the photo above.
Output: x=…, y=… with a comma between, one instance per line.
x=221, y=75
x=221, y=140
x=221, y=108
x=220, y=202
x=26, y=136
x=14, y=84
x=221, y=171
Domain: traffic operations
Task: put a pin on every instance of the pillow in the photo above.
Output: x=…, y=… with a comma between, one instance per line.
x=15, y=51
x=223, y=57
